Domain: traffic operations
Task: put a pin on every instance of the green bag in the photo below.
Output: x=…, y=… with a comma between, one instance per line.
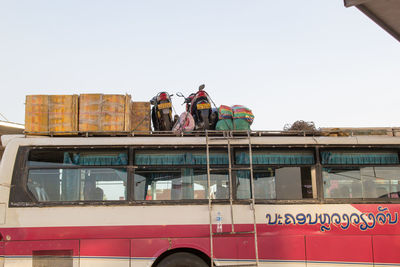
x=224, y=125
x=241, y=125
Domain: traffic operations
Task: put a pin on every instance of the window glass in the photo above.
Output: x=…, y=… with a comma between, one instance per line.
x=284, y=183
x=86, y=184
x=362, y=182
x=219, y=184
x=83, y=157
x=179, y=183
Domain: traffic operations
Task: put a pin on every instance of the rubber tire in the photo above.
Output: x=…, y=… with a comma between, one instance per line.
x=156, y=125
x=182, y=259
x=204, y=117
x=166, y=122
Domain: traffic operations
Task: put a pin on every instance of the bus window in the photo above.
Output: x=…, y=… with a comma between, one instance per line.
x=64, y=175
x=284, y=183
x=290, y=179
x=179, y=184
x=342, y=183
x=345, y=177
x=98, y=184
x=362, y=182
x=179, y=175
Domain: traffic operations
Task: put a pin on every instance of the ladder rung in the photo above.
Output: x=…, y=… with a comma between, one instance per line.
x=249, y=200
x=233, y=169
x=226, y=138
x=234, y=233
x=239, y=265
x=219, y=169
x=217, y=138
x=241, y=168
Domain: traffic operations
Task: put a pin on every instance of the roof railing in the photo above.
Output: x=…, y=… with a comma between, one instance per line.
x=332, y=132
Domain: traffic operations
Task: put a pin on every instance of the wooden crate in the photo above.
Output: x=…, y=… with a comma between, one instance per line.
x=37, y=114
x=104, y=113
x=140, y=117
x=63, y=114
x=56, y=114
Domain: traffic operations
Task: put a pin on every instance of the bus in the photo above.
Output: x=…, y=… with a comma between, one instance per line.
x=175, y=201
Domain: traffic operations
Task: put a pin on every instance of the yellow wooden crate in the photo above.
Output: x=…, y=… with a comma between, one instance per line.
x=37, y=114
x=55, y=114
x=104, y=113
x=140, y=117
x=63, y=114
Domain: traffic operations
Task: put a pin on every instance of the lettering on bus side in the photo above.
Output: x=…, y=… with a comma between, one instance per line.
x=363, y=221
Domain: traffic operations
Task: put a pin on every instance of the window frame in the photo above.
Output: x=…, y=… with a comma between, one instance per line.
x=256, y=167
x=197, y=148
x=21, y=173
x=366, y=148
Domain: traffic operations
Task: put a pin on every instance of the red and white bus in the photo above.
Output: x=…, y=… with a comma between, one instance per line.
x=144, y=201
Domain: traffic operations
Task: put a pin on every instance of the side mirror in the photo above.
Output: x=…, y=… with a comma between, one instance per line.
x=201, y=87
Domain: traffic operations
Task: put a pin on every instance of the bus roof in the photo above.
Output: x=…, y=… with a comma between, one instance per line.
x=23, y=140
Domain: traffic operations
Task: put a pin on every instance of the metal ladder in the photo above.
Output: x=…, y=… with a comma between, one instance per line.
x=228, y=136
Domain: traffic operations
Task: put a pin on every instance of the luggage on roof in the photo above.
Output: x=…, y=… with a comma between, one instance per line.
x=51, y=113
x=97, y=113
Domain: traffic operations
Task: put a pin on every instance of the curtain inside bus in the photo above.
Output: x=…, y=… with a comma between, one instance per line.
x=275, y=158
x=96, y=160
x=179, y=158
x=355, y=158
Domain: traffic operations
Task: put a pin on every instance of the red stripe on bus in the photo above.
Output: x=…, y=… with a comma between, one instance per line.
x=339, y=248
x=105, y=247
x=288, y=243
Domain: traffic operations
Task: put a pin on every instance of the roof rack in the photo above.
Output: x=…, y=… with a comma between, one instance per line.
x=170, y=133
x=333, y=132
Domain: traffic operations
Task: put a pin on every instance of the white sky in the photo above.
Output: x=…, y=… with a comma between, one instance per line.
x=287, y=60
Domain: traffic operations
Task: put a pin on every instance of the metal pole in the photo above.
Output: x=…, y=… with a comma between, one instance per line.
x=209, y=200
x=230, y=186
x=253, y=202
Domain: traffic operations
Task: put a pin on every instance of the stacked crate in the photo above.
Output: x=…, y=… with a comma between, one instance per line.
x=104, y=113
x=51, y=113
x=140, y=117
x=95, y=113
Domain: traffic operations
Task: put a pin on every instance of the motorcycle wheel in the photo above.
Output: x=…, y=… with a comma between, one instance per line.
x=204, y=117
x=156, y=125
x=166, y=122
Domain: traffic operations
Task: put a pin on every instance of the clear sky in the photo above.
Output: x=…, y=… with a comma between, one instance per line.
x=287, y=60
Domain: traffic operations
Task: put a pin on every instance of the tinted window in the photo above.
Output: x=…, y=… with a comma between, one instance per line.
x=66, y=175
x=278, y=174
x=344, y=175
x=362, y=182
x=83, y=184
x=283, y=183
x=179, y=183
